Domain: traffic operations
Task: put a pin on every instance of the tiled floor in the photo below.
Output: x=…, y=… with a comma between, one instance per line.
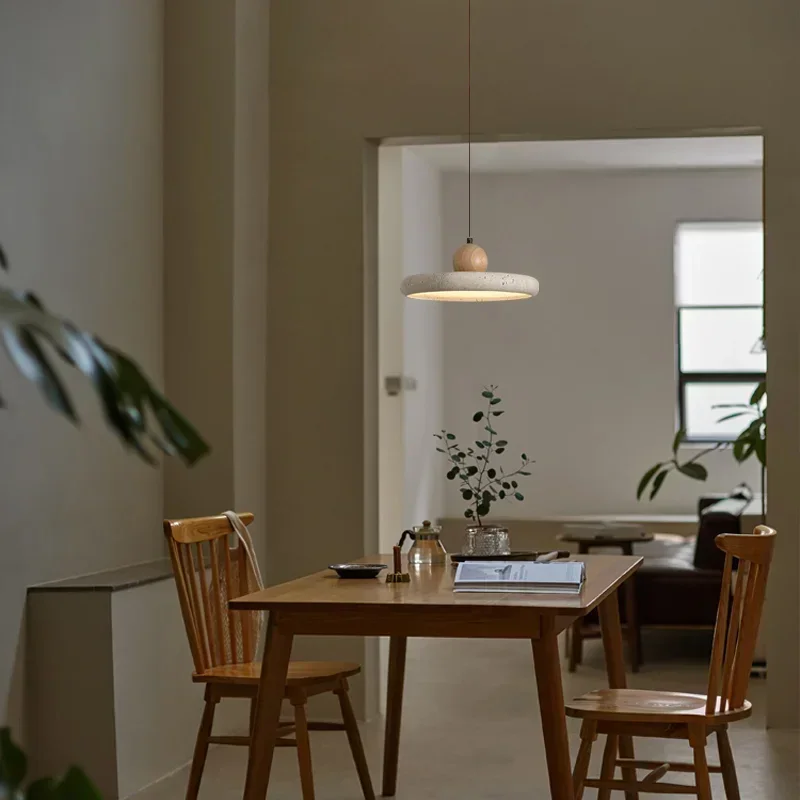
x=471, y=730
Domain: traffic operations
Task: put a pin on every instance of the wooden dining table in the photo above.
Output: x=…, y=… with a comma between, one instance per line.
x=322, y=604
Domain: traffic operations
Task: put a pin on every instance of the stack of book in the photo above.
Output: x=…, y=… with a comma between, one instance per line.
x=561, y=577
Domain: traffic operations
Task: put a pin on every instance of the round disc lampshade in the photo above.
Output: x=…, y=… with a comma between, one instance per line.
x=470, y=287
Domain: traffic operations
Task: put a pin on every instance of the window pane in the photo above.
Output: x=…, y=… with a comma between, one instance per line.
x=721, y=340
x=701, y=417
x=719, y=264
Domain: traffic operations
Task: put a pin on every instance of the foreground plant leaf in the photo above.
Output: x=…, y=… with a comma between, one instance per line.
x=134, y=409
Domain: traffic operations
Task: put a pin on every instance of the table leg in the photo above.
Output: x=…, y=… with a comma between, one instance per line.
x=631, y=615
x=394, y=713
x=633, y=624
x=615, y=669
x=268, y=709
x=551, y=707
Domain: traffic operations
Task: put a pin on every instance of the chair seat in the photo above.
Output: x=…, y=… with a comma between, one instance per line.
x=301, y=673
x=644, y=705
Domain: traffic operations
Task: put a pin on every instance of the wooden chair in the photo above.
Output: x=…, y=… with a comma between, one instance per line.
x=208, y=573
x=673, y=715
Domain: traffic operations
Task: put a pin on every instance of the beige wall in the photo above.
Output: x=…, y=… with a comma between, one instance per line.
x=80, y=218
x=215, y=195
x=356, y=70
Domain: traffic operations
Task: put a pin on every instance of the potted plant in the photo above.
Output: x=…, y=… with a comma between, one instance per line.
x=752, y=441
x=482, y=482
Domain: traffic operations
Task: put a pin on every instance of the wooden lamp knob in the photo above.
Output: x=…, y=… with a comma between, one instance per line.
x=470, y=258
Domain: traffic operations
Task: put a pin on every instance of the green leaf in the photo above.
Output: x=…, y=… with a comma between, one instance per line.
x=495, y=401
x=451, y=436
x=498, y=413
x=524, y=457
x=743, y=449
x=760, y=449
x=31, y=361
x=483, y=509
x=452, y=473
x=646, y=478
x=437, y=436
x=472, y=470
x=479, y=444
x=469, y=513
x=658, y=482
x=501, y=442
x=487, y=394
x=500, y=450
x=501, y=494
x=514, y=484
x=439, y=450
x=478, y=416
x=466, y=494
x=506, y=485
x=43, y=789
x=492, y=473
x=519, y=496
x=676, y=442
x=489, y=428
x=13, y=762
x=524, y=473
x=486, y=443
x=76, y=786
x=758, y=394
x=734, y=415
x=693, y=470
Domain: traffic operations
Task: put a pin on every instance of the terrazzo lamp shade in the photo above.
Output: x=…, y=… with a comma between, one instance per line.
x=469, y=282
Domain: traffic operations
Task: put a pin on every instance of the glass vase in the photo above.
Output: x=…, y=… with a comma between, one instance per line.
x=487, y=540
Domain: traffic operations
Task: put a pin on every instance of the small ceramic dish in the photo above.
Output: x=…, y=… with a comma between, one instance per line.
x=358, y=570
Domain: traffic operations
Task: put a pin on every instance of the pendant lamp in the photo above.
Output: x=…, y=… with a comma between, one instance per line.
x=469, y=282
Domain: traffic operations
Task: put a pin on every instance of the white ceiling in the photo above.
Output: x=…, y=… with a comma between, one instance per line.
x=605, y=154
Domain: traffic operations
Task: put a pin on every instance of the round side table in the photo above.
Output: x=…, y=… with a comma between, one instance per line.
x=586, y=542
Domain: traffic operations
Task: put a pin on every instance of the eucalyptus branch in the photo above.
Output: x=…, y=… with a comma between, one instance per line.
x=480, y=485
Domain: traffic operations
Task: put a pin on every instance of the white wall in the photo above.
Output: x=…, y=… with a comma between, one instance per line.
x=81, y=220
x=422, y=343
x=410, y=344
x=587, y=369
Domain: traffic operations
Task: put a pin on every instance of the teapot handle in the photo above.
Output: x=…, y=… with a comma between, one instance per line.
x=403, y=537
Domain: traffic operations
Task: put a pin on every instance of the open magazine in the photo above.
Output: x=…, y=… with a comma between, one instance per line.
x=560, y=577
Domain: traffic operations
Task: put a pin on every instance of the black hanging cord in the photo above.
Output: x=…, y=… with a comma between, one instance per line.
x=469, y=121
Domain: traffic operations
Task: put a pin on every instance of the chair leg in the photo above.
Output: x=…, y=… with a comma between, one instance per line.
x=697, y=739
x=201, y=746
x=609, y=765
x=253, y=708
x=303, y=748
x=729, y=778
x=576, y=651
x=354, y=738
x=579, y=773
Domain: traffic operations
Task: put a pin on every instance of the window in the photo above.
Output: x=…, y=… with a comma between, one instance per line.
x=720, y=322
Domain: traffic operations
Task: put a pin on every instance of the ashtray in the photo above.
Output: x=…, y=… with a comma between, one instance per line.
x=357, y=570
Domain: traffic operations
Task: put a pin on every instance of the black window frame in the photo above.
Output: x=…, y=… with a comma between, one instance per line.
x=687, y=378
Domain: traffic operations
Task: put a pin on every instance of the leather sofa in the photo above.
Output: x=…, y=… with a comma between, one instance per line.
x=683, y=589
